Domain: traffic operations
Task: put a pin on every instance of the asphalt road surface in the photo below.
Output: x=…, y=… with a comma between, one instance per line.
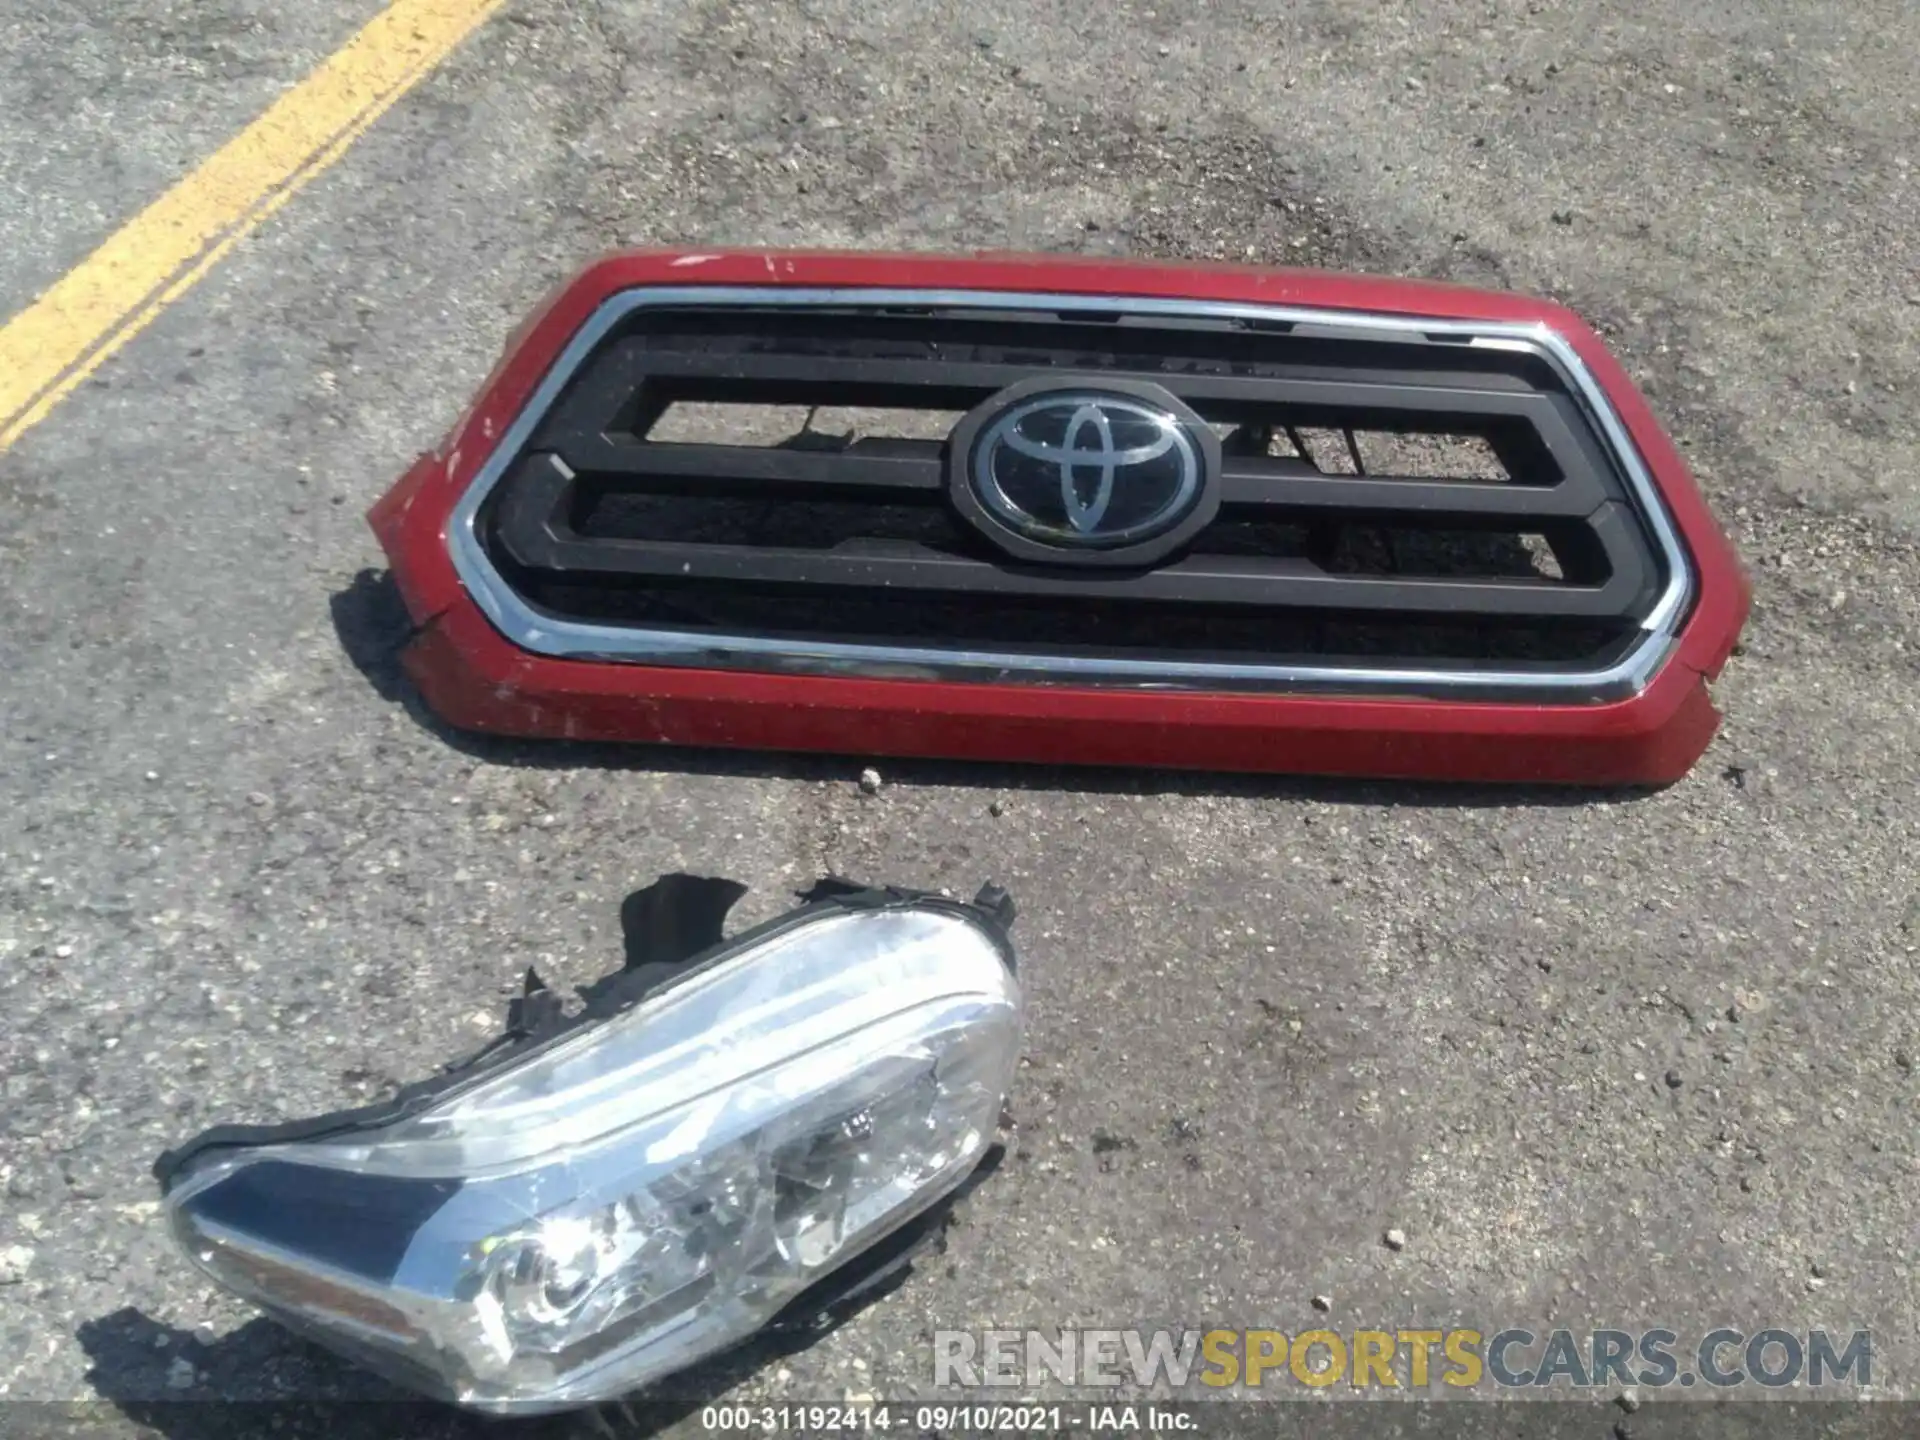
x=1614, y=1060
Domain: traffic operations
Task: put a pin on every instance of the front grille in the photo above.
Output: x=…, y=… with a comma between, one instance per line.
x=766, y=485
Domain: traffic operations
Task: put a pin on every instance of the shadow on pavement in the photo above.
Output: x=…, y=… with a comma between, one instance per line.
x=262, y=1379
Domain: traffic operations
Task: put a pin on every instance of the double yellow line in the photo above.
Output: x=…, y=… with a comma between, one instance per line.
x=103, y=302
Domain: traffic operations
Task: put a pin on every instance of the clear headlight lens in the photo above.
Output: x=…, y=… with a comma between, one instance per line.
x=646, y=1190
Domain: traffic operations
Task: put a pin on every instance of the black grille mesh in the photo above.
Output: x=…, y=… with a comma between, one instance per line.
x=1498, y=533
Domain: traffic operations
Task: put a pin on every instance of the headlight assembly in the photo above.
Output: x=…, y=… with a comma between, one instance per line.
x=569, y=1219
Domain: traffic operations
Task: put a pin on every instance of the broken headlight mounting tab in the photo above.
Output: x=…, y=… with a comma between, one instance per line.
x=603, y=1199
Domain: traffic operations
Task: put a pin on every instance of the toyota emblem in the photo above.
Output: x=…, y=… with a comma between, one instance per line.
x=1109, y=472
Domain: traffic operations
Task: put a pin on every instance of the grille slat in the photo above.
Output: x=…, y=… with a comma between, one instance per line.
x=903, y=565
x=863, y=562
x=864, y=465
x=1250, y=485
x=1037, y=341
x=799, y=534
x=962, y=384
x=1258, y=485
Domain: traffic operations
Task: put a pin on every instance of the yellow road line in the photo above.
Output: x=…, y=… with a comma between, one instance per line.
x=103, y=302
